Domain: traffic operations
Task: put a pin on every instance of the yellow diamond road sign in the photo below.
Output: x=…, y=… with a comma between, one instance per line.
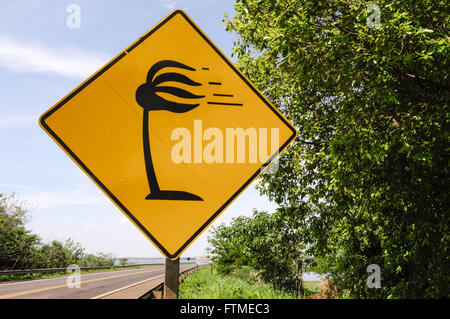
x=171, y=132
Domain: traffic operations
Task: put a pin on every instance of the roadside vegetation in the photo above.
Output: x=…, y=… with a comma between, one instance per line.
x=366, y=180
x=239, y=284
x=21, y=249
x=271, y=245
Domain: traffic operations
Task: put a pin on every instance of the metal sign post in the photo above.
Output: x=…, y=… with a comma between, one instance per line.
x=171, y=278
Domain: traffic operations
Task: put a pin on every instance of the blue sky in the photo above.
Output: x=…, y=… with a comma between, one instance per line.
x=41, y=60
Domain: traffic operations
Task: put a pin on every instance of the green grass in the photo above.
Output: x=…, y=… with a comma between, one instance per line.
x=311, y=287
x=57, y=274
x=203, y=284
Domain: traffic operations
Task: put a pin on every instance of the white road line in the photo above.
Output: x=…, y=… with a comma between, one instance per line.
x=27, y=292
x=123, y=288
x=64, y=276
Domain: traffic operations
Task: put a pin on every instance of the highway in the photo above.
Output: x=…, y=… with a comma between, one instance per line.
x=95, y=285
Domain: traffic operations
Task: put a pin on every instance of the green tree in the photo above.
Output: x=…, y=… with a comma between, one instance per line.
x=17, y=244
x=60, y=255
x=371, y=108
x=124, y=261
x=272, y=244
x=227, y=244
x=21, y=249
x=97, y=260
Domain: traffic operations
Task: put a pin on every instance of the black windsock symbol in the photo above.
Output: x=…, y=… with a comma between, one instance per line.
x=146, y=95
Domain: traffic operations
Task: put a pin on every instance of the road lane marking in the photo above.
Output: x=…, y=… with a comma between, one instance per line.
x=65, y=276
x=123, y=288
x=27, y=292
x=129, y=286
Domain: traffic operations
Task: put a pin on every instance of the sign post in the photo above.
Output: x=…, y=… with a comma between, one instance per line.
x=171, y=278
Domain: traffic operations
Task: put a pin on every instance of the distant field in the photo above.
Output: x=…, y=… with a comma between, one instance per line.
x=204, y=284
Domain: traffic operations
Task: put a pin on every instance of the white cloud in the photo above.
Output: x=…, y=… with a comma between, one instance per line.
x=37, y=58
x=82, y=194
x=18, y=121
x=15, y=187
x=123, y=221
x=59, y=198
x=169, y=5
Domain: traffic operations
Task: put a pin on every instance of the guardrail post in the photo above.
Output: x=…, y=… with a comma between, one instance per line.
x=171, y=278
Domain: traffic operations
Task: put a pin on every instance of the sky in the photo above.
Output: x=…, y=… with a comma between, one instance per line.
x=41, y=60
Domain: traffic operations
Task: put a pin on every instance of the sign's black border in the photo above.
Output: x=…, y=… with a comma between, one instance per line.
x=106, y=190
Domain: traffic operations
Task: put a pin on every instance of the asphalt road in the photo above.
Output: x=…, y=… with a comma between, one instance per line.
x=91, y=285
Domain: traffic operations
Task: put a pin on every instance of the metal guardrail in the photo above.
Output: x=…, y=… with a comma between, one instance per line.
x=155, y=293
x=54, y=270
x=158, y=291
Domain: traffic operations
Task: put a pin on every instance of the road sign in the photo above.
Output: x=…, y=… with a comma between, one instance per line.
x=170, y=131
x=203, y=260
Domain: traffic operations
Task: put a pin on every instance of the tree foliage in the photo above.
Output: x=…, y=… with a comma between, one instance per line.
x=59, y=255
x=21, y=249
x=269, y=243
x=371, y=108
x=17, y=244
